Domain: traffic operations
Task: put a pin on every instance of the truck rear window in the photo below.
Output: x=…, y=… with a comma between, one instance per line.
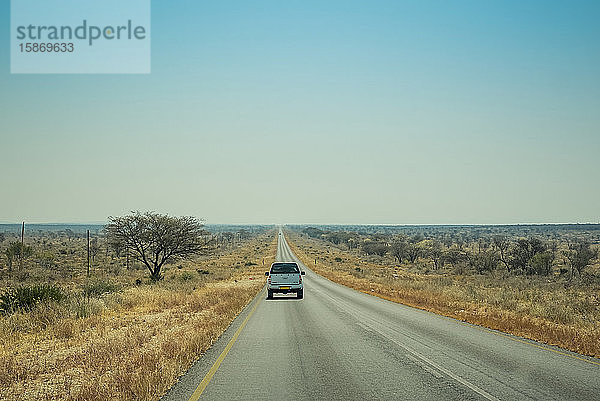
x=283, y=268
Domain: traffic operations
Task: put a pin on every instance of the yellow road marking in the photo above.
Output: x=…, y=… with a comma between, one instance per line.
x=202, y=386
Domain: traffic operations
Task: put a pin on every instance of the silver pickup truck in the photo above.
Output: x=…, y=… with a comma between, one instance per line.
x=285, y=277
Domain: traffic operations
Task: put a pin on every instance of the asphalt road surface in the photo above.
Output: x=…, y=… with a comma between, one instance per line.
x=339, y=344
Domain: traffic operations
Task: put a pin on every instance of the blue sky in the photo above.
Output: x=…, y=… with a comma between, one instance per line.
x=320, y=112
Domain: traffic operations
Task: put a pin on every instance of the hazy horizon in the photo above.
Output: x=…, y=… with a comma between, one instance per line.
x=93, y=223
x=320, y=113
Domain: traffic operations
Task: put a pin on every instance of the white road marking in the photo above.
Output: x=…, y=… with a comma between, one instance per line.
x=431, y=366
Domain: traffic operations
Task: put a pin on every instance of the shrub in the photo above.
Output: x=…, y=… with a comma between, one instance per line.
x=46, y=260
x=579, y=255
x=541, y=263
x=27, y=297
x=186, y=276
x=115, y=269
x=375, y=248
x=484, y=261
x=85, y=307
x=97, y=288
x=16, y=251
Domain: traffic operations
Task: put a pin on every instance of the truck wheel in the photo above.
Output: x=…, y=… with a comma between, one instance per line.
x=269, y=294
x=300, y=294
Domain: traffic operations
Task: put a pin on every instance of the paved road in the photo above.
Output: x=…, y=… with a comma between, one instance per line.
x=339, y=344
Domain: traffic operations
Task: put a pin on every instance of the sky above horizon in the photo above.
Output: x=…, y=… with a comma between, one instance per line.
x=333, y=112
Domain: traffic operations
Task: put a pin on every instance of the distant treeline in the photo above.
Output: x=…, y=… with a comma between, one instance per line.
x=551, y=248
x=475, y=230
x=56, y=228
x=97, y=228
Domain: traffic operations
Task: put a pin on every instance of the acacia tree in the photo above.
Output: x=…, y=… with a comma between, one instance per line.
x=375, y=248
x=413, y=251
x=155, y=239
x=454, y=256
x=523, y=252
x=483, y=261
x=435, y=252
x=579, y=255
x=399, y=249
x=502, y=244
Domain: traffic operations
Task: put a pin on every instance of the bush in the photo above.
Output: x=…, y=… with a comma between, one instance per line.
x=541, y=264
x=484, y=262
x=85, y=307
x=27, y=297
x=114, y=269
x=16, y=251
x=98, y=288
x=375, y=248
x=46, y=260
x=186, y=276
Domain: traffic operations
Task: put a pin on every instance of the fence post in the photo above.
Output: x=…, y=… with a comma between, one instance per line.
x=88, y=253
x=22, y=245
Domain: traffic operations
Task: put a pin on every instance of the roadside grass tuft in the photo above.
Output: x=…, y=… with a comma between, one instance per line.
x=186, y=276
x=98, y=288
x=26, y=297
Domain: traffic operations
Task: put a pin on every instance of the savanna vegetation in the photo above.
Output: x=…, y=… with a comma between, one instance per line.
x=539, y=282
x=127, y=330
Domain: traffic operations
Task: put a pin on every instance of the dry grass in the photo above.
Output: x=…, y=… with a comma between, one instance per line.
x=554, y=312
x=131, y=344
